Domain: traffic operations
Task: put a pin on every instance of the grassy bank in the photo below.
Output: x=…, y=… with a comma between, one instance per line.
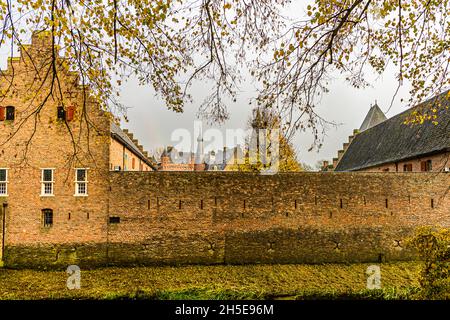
x=328, y=281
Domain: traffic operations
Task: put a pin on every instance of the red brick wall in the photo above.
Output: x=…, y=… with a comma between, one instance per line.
x=209, y=217
x=27, y=151
x=439, y=162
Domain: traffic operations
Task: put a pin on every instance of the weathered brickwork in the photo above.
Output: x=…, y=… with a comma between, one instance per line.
x=35, y=140
x=226, y=217
x=438, y=161
x=130, y=217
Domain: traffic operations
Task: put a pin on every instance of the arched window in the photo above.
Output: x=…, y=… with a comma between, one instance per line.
x=47, y=217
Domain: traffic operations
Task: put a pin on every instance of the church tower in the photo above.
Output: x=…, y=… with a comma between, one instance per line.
x=199, y=164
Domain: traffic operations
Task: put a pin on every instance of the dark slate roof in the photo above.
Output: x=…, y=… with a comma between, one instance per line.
x=123, y=138
x=373, y=117
x=392, y=140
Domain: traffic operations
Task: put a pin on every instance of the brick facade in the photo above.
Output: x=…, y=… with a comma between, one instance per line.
x=437, y=163
x=131, y=217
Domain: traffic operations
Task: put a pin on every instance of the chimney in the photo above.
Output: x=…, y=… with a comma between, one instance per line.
x=335, y=162
x=340, y=154
x=325, y=165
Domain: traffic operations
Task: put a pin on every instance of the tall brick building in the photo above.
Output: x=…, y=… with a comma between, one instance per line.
x=55, y=157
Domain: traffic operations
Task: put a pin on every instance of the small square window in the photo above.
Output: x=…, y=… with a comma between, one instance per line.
x=114, y=220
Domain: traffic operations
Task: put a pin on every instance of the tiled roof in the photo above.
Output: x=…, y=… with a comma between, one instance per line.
x=392, y=140
x=118, y=134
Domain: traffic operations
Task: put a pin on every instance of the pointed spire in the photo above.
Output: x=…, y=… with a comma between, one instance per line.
x=199, y=154
x=373, y=117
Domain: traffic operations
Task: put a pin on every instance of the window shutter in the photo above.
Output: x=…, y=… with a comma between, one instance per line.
x=70, y=113
x=2, y=113
x=423, y=166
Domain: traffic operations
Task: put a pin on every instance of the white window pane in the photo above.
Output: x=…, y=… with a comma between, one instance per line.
x=3, y=188
x=48, y=188
x=81, y=188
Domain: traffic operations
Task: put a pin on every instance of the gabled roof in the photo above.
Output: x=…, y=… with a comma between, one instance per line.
x=373, y=117
x=118, y=134
x=392, y=140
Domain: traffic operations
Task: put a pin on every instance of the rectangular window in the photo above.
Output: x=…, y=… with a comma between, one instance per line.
x=407, y=167
x=47, y=217
x=113, y=220
x=3, y=182
x=61, y=113
x=10, y=113
x=2, y=113
x=47, y=182
x=81, y=182
x=426, y=165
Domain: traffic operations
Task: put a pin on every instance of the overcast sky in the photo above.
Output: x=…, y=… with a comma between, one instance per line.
x=153, y=125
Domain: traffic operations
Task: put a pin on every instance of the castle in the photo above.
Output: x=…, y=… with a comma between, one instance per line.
x=76, y=189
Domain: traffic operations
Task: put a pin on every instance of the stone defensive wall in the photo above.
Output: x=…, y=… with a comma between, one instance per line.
x=238, y=218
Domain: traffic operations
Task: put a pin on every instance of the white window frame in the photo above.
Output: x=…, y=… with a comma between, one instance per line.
x=43, y=183
x=5, y=182
x=77, y=183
